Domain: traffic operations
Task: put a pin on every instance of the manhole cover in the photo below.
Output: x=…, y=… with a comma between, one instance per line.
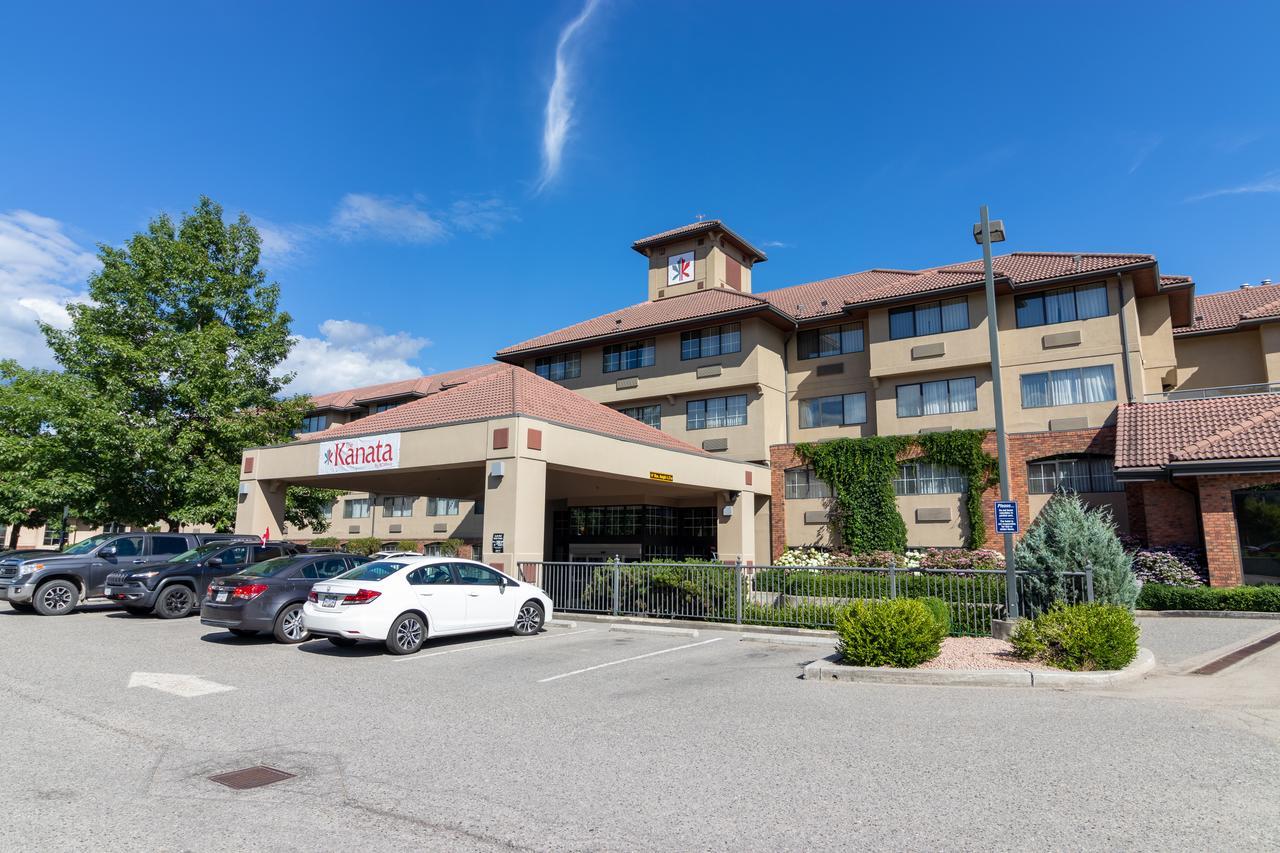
x=251, y=777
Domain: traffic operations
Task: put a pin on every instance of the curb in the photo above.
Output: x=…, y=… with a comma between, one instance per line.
x=560, y=623
x=787, y=640
x=829, y=669
x=1190, y=665
x=734, y=627
x=655, y=629
x=1210, y=614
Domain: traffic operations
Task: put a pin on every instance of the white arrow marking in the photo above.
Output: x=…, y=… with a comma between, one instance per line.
x=186, y=686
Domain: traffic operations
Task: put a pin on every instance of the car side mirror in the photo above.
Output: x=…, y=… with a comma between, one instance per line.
x=108, y=551
x=214, y=562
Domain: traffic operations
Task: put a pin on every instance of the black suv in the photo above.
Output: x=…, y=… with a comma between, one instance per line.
x=53, y=583
x=176, y=587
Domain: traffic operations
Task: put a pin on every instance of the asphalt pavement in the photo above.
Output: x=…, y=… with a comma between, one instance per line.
x=585, y=738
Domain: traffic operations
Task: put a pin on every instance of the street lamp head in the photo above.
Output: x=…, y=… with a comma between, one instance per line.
x=997, y=231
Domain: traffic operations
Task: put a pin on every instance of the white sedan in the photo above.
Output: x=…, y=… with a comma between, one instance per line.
x=403, y=602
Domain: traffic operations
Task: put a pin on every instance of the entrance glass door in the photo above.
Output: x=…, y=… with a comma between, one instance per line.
x=1258, y=524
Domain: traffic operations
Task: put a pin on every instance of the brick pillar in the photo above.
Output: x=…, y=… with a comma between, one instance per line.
x=781, y=457
x=1222, y=546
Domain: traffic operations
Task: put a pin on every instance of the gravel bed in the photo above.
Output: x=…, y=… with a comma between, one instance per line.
x=978, y=653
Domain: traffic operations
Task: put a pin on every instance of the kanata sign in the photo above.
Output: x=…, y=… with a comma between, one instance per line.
x=366, y=453
x=680, y=269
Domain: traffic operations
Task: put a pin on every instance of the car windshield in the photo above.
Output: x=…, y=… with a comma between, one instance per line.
x=88, y=544
x=375, y=571
x=269, y=567
x=196, y=553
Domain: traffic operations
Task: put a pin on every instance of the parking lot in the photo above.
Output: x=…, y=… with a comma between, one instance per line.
x=587, y=738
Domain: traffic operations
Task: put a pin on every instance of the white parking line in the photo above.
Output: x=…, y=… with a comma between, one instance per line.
x=472, y=648
x=628, y=660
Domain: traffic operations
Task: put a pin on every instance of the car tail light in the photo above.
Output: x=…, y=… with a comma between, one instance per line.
x=313, y=596
x=363, y=596
x=209, y=592
x=249, y=591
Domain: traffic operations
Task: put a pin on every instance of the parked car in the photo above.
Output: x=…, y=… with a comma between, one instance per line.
x=268, y=597
x=54, y=583
x=383, y=555
x=175, y=588
x=403, y=602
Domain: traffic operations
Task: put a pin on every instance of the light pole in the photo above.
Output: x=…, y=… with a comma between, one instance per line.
x=987, y=232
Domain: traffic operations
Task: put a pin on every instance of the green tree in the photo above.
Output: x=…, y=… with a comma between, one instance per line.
x=181, y=344
x=1068, y=536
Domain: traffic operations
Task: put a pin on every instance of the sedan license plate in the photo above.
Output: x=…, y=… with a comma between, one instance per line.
x=329, y=601
x=221, y=596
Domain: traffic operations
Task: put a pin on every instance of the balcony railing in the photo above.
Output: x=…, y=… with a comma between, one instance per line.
x=1220, y=391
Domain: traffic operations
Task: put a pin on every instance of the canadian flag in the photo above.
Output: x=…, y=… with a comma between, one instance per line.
x=266, y=534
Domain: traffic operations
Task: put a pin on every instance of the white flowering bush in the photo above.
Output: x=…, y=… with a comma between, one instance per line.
x=803, y=558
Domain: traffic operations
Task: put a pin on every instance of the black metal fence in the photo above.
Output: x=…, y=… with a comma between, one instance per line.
x=781, y=595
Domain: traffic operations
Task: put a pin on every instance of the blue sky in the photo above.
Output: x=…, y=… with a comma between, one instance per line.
x=438, y=180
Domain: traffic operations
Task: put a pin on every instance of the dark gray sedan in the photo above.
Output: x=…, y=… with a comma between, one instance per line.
x=268, y=596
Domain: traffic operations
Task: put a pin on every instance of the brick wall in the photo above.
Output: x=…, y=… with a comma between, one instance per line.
x=1221, y=539
x=781, y=457
x=1161, y=514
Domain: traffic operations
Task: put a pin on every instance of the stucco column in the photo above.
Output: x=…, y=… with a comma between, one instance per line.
x=736, y=533
x=260, y=507
x=515, y=509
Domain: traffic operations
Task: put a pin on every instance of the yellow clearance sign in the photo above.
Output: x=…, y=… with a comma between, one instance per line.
x=660, y=477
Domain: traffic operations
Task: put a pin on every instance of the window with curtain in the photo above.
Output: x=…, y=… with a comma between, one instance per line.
x=837, y=410
x=1072, y=474
x=929, y=318
x=1062, y=305
x=443, y=506
x=938, y=398
x=716, y=412
x=1069, y=387
x=567, y=365
x=355, y=508
x=651, y=415
x=922, y=478
x=802, y=483
x=397, y=507
x=830, y=340
x=628, y=356
x=716, y=340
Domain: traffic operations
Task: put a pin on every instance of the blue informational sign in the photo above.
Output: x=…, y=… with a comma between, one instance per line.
x=1006, y=517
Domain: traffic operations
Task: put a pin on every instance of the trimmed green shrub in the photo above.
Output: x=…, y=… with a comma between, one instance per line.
x=1259, y=599
x=1079, y=637
x=899, y=632
x=940, y=611
x=364, y=546
x=1068, y=536
x=325, y=542
x=450, y=547
x=407, y=545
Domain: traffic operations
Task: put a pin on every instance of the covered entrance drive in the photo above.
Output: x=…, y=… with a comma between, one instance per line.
x=559, y=476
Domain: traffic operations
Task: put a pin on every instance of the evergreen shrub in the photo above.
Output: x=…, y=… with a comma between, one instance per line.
x=1066, y=537
x=1079, y=637
x=898, y=632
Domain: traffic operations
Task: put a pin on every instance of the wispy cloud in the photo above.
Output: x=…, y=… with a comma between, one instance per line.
x=558, y=120
x=359, y=215
x=776, y=244
x=1143, y=152
x=1269, y=183
x=348, y=354
x=42, y=270
x=483, y=216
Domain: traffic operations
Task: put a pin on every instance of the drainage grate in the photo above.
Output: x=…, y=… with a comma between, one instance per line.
x=251, y=777
x=1216, y=666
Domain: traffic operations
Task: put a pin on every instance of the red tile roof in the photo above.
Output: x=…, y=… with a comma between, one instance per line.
x=503, y=390
x=694, y=228
x=646, y=315
x=418, y=387
x=830, y=295
x=1152, y=435
x=1224, y=311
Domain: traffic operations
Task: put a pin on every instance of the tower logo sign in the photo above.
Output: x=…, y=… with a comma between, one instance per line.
x=366, y=453
x=680, y=269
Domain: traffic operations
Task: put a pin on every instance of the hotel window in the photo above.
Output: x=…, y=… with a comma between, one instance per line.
x=802, y=483
x=1069, y=387
x=443, y=506
x=1061, y=306
x=314, y=423
x=327, y=513
x=398, y=507
x=923, y=478
x=662, y=520
x=628, y=356
x=52, y=534
x=355, y=508
x=700, y=521
x=829, y=340
x=651, y=415
x=381, y=407
x=716, y=412
x=567, y=365
x=938, y=398
x=717, y=340
x=929, y=318
x=839, y=410
x=1072, y=474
